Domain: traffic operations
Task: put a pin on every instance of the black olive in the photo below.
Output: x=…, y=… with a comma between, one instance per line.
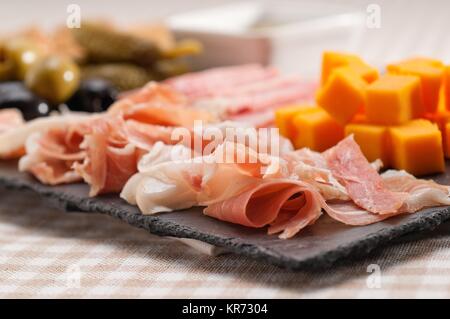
x=16, y=95
x=93, y=95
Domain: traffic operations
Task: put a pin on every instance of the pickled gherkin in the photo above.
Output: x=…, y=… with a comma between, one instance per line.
x=123, y=76
x=104, y=44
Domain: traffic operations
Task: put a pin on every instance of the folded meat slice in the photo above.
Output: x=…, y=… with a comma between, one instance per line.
x=96, y=150
x=287, y=206
x=363, y=183
x=219, y=81
x=291, y=92
x=349, y=213
x=10, y=119
x=159, y=104
x=144, y=136
x=185, y=182
x=12, y=142
x=421, y=193
x=50, y=156
x=110, y=159
x=311, y=167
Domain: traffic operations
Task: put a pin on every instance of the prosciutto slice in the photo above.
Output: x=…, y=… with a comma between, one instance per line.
x=50, y=156
x=110, y=159
x=185, y=182
x=421, y=193
x=362, y=182
x=219, y=81
x=12, y=142
x=246, y=93
x=159, y=104
x=288, y=206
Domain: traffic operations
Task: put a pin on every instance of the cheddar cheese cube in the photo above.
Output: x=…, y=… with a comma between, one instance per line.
x=343, y=95
x=359, y=118
x=333, y=60
x=415, y=61
x=430, y=76
x=441, y=118
x=446, y=88
x=394, y=99
x=372, y=139
x=367, y=72
x=417, y=148
x=317, y=130
x=284, y=116
x=447, y=140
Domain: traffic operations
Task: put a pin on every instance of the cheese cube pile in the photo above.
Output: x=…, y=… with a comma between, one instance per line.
x=401, y=117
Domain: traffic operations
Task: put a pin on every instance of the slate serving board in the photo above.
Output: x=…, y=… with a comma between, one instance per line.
x=319, y=246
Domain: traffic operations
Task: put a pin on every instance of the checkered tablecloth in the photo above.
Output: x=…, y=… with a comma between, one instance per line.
x=47, y=253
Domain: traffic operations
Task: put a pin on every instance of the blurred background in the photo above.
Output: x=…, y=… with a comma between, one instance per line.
x=288, y=34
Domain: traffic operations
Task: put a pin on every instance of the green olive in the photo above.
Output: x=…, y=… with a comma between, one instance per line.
x=53, y=78
x=6, y=70
x=23, y=54
x=6, y=66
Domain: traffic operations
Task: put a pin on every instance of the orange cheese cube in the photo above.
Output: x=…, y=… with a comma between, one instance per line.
x=394, y=99
x=414, y=61
x=359, y=118
x=343, y=95
x=317, y=130
x=333, y=60
x=417, y=148
x=430, y=76
x=367, y=72
x=441, y=118
x=373, y=140
x=447, y=88
x=447, y=140
x=284, y=116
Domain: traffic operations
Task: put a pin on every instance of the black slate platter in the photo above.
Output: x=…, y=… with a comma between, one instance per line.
x=319, y=246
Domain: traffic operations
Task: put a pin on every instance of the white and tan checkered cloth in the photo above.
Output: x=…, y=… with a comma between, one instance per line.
x=47, y=253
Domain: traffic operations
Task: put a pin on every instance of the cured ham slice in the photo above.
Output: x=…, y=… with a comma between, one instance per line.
x=102, y=151
x=10, y=119
x=362, y=182
x=50, y=156
x=159, y=104
x=110, y=159
x=288, y=206
x=349, y=213
x=202, y=180
x=260, y=119
x=145, y=136
x=311, y=167
x=219, y=80
x=12, y=142
x=247, y=93
x=291, y=92
x=421, y=193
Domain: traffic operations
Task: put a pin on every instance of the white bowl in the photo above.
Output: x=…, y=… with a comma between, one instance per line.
x=286, y=34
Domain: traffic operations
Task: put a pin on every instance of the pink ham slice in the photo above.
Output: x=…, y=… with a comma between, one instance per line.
x=158, y=104
x=110, y=159
x=292, y=91
x=363, y=183
x=50, y=157
x=216, y=81
x=349, y=213
x=288, y=206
